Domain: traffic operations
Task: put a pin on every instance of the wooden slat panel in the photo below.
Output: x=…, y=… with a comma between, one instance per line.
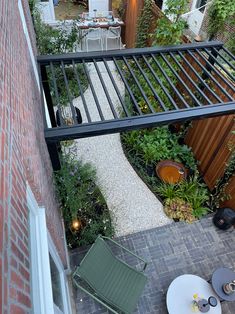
x=209, y=140
x=133, y=12
x=230, y=190
x=217, y=167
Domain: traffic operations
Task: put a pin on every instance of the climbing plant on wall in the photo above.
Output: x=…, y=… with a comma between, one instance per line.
x=144, y=23
x=220, y=13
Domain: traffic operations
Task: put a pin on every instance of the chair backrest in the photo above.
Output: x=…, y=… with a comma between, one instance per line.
x=96, y=263
x=94, y=33
x=114, y=31
x=113, y=281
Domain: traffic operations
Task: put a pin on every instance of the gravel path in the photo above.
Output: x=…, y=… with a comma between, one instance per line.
x=132, y=205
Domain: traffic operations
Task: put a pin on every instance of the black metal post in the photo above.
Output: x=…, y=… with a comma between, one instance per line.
x=208, y=67
x=46, y=89
x=54, y=149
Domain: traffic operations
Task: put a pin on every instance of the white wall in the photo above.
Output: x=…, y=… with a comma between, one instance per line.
x=195, y=19
x=164, y=5
x=47, y=10
x=99, y=5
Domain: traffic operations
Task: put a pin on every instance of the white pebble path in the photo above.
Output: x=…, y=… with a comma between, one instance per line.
x=132, y=205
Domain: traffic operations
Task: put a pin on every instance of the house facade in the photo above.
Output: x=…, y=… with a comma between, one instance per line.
x=33, y=252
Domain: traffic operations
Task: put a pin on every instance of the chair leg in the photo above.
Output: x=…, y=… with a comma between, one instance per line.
x=101, y=43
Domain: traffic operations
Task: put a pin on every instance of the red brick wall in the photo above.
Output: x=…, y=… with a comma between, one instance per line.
x=23, y=157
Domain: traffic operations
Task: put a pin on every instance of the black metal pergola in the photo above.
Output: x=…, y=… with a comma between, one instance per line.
x=140, y=88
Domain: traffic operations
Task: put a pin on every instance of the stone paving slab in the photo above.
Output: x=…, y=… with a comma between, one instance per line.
x=171, y=250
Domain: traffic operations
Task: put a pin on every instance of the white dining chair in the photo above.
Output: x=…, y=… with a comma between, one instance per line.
x=94, y=34
x=113, y=32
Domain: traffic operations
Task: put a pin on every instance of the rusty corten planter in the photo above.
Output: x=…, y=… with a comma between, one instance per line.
x=171, y=171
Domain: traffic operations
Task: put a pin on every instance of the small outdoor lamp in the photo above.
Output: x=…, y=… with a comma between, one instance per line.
x=76, y=224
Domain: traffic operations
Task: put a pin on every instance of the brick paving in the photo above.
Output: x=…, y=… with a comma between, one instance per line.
x=171, y=250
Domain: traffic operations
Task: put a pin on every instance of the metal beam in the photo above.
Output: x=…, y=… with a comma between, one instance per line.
x=127, y=124
x=108, y=55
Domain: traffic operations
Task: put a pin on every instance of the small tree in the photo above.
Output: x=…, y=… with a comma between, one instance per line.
x=170, y=27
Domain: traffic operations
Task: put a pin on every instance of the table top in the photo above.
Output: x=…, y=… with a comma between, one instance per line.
x=180, y=294
x=88, y=24
x=219, y=278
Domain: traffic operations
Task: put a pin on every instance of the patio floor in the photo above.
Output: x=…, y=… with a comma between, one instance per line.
x=171, y=250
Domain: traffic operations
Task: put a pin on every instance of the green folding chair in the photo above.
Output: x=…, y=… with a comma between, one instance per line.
x=109, y=280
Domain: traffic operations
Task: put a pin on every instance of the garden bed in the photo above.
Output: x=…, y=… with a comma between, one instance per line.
x=84, y=209
x=187, y=200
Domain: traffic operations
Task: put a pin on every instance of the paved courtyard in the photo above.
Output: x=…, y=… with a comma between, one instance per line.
x=171, y=250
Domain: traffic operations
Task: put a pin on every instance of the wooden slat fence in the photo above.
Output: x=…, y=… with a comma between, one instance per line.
x=210, y=140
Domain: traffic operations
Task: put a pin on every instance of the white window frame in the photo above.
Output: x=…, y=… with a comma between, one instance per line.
x=40, y=246
x=40, y=267
x=63, y=278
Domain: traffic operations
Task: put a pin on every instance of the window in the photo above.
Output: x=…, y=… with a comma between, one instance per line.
x=56, y=285
x=201, y=3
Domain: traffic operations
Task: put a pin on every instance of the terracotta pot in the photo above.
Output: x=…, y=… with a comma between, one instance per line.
x=171, y=171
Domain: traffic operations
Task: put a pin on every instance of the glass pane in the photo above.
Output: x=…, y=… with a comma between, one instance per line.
x=56, y=285
x=199, y=4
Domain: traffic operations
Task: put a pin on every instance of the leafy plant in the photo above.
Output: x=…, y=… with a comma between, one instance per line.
x=179, y=209
x=81, y=200
x=54, y=40
x=60, y=40
x=170, y=26
x=195, y=193
x=166, y=190
x=191, y=191
x=158, y=144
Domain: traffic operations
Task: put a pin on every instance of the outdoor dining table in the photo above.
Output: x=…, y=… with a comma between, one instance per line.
x=86, y=24
x=90, y=24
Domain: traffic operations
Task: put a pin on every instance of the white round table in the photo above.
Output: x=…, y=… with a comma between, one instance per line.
x=180, y=294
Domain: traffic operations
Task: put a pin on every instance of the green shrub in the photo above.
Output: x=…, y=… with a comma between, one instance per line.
x=191, y=191
x=81, y=199
x=57, y=41
x=195, y=193
x=154, y=145
x=54, y=40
